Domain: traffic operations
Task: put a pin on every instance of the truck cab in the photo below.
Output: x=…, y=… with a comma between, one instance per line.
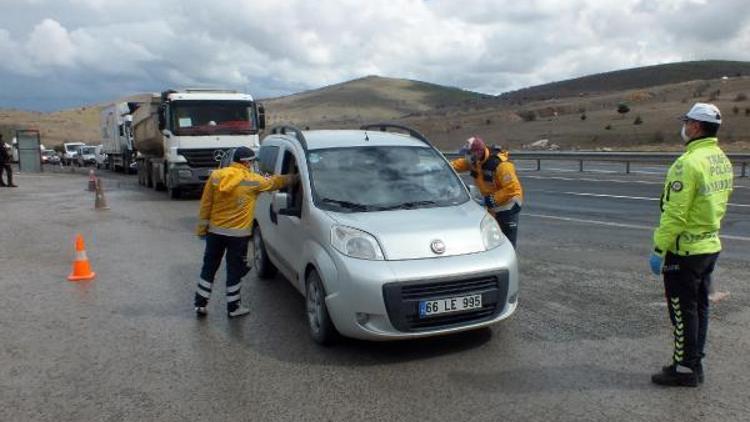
x=192, y=132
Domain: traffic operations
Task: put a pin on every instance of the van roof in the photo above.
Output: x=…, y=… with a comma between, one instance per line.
x=322, y=139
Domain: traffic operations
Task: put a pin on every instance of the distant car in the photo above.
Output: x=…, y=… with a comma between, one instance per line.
x=71, y=152
x=86, y=156
x=50, y=157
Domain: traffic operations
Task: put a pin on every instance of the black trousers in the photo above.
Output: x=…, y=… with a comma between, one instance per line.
x=236, y=258
x=6, y=168
x=508, y=221
x=687, y=281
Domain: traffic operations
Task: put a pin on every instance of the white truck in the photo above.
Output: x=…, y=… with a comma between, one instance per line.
x=116, y=122
x=181, y=136
x=70, y=152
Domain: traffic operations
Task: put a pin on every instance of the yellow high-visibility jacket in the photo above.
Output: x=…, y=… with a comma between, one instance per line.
x=495, y=176
x=228, y=201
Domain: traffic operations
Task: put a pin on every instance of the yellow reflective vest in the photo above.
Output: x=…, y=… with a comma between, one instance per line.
x=228, y=201
x=694, y=200
x=495, y=175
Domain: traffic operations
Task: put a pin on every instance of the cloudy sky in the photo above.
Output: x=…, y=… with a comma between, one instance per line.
x=63, y=53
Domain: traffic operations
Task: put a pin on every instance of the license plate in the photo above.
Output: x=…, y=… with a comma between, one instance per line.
x=451, y=304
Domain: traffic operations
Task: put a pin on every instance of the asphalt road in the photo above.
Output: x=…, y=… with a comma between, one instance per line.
x=590, y=329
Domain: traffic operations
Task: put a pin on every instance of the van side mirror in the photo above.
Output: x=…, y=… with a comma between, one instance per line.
x=261, y=117
x=280, y=202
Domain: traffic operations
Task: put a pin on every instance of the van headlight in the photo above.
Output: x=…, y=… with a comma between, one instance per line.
x=492, y=236
x=356, y=243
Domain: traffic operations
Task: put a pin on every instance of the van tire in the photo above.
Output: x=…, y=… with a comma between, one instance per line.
x=319, y=322
x=263, y=265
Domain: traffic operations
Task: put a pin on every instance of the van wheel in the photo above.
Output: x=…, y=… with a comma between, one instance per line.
x=263, y=265
x=318, y=321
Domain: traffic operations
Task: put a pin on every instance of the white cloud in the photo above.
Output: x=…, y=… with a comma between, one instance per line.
x=281, y=46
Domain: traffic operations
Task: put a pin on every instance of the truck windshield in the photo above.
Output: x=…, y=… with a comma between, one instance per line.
x=194, y=117
x=382, y=178
x=88, y=150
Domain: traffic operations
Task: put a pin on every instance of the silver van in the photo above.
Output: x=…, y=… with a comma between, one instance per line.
x=381, y=236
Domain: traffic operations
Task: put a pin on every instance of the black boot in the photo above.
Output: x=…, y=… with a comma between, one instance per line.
x=698, y=371
x=677, y=376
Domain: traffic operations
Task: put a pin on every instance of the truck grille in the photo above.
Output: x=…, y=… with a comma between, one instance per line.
x=402, y=301
x=202, y=157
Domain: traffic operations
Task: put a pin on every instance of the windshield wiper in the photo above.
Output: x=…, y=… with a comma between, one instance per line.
x=408, y=205
x=346, y=204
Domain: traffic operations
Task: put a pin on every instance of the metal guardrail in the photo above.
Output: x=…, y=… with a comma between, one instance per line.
x=738, y=159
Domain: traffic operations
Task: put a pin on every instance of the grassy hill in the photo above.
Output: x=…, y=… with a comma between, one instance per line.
x=364, y=100
x=77, y=124
x=629, y=79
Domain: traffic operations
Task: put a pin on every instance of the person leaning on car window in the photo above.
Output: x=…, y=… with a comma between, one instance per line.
x=495, y=176
x=226, y=215
x=5, y=161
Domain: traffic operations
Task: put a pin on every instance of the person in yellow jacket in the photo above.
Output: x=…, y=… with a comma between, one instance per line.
x=686, y=242
x=495, y=176
x=225, y=221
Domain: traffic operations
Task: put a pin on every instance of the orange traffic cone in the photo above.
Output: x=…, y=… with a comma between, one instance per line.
x=81, y=268
x=92, y=181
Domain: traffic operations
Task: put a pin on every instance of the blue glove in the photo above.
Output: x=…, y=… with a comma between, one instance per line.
x=656, y=262
x=489, y=202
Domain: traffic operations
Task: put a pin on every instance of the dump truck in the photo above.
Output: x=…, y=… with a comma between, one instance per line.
x=182, y=136
x=116, y=123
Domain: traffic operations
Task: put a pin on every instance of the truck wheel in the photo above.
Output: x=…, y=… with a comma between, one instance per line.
x=263, y=265
x=318, y=320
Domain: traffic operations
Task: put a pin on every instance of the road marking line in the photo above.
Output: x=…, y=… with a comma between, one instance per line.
x=621, y=225
x=637, y=198
x=589, y=179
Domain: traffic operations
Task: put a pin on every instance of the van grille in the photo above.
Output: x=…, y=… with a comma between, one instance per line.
x=402, y=301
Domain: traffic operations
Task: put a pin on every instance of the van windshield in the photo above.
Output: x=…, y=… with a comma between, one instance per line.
x=382, y=178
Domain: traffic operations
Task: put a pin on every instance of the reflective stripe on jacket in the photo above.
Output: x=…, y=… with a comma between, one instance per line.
x=694, y=200
x=502, y=182
x=228, y=201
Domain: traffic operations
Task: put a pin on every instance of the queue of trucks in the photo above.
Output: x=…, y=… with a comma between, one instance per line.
x=174, y=139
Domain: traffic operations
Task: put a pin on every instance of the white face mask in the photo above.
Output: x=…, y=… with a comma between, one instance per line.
x=683, y=134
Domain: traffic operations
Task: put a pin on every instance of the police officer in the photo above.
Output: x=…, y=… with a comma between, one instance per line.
x=686, y=243
x=226, y=215
x=495, y=176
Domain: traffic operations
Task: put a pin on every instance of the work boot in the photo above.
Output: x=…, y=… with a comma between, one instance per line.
x=201, y=311
x=676, y=375
x=240, y=311
x=698, y=371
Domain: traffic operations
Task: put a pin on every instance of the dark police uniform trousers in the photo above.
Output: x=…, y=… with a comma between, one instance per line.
x=687, y=281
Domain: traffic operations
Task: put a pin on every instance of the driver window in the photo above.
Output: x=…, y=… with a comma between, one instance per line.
x=289, y=166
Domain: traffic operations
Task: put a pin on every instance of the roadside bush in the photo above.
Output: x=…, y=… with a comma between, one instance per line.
x=637, y=120
x=527, y=115
x=747, y=111
x=658, y=136
x=741, y=97
x=488, y=122
x=583, y=116
x=736, y=110
x=623, y=108
x=608, y=127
